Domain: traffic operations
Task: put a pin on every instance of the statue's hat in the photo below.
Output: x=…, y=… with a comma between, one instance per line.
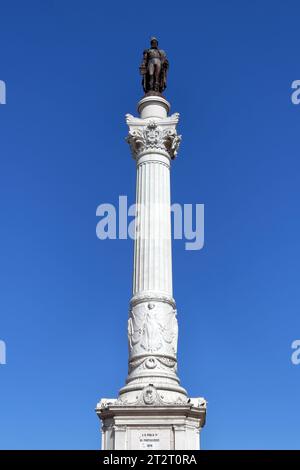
x=153, y=38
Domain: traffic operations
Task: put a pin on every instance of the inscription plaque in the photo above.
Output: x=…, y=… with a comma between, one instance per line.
x=147, y=439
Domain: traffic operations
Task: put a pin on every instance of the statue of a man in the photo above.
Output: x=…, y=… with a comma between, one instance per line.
x=154, y=69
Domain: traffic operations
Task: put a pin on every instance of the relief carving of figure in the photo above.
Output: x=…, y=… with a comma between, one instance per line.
x=151, y=329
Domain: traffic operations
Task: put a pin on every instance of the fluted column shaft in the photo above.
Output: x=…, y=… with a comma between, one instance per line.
x=152, y=252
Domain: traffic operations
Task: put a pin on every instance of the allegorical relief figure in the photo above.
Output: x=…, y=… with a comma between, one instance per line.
x=154, y=69
x=150, y=329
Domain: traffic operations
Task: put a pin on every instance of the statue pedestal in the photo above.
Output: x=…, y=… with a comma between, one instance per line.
x=173, y=427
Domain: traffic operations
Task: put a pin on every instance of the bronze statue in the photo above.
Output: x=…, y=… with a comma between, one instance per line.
x=154, y=69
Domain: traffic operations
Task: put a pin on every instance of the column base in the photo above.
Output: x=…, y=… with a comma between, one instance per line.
x=155, y=427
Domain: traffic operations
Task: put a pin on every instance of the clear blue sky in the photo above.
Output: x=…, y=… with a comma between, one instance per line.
x=71, y=70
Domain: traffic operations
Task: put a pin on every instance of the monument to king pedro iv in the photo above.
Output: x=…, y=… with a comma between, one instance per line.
x=152, y=411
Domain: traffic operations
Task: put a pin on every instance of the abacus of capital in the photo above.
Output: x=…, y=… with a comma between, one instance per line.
x=152, y=411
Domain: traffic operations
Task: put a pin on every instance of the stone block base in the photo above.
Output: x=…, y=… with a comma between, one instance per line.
x=172, y=427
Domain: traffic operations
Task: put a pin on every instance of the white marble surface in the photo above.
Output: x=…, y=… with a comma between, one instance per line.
x=152, y=401
x=174, y=427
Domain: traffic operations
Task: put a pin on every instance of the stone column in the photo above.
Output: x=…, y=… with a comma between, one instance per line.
x=152, y=410
x=152, y=323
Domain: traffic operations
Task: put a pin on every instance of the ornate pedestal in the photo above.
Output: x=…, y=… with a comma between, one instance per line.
x=172, y=427
x=152, y=410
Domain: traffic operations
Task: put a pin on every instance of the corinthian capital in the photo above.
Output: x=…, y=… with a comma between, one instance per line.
x=146, y=136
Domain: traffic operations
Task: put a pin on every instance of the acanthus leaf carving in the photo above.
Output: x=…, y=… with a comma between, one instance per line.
x=153, y=135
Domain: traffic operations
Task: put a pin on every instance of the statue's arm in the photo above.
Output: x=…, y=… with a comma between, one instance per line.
x=143, y=66
x=164, y=59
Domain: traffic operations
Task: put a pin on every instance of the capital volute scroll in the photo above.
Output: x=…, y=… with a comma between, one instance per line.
x=153, y=136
